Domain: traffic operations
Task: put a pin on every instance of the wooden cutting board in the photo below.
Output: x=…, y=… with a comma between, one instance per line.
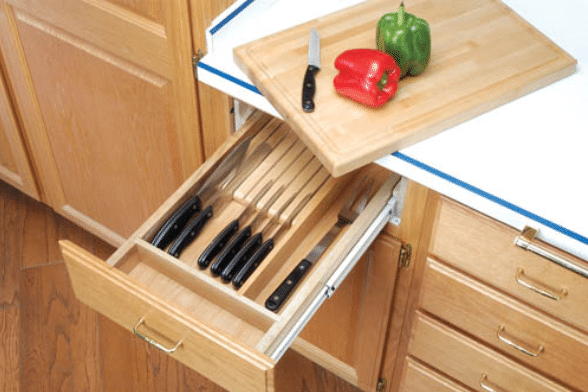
x=483, y=55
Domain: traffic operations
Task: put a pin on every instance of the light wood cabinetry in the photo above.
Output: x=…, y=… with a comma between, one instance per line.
x=15, y=168
x=108, y=102
x=474, y=316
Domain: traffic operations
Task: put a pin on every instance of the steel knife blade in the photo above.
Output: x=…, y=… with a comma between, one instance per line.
x=314, y=65
x=178, y=220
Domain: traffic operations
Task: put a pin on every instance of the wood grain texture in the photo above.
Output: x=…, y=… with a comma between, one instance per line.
x=9, y=348
x=474, y=67
x=494, y=259
x=14, y=162
x=480, y=311
x=467, y=361
x=418, y=377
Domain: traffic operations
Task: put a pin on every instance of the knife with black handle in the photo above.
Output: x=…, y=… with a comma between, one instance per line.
x=314, y=65
x=239, y=240
x=178, y=220
x=252, y=257
x=221, y=240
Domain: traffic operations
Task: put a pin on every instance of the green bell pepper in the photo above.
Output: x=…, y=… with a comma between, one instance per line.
x=406, y=38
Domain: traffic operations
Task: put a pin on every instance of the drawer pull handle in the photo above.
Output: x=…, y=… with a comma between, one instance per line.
x=487, y=386
x=545, y=291
x=168, y=350
x=503, y=338
x=525, y=241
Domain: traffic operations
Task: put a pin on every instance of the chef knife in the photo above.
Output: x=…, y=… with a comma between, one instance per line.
x=314, y=65
x=221, y=196
x=176, y=222
x=252, y=261
x=219, y=242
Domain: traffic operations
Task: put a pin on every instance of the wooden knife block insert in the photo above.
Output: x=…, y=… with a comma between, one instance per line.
x=241, y=314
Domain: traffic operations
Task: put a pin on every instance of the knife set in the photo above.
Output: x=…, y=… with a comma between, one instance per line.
x=257, y=219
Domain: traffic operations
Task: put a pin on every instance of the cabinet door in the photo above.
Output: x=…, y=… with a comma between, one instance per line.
x=14, y=164
x=109, y=104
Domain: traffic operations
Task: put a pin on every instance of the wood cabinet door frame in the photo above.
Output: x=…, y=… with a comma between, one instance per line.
x=149, y=40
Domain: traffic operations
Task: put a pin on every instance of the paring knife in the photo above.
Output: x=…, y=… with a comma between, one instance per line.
x=221, y=196
x=176, y=222
x=252, y=261
x=314, y=65
x=219, y=242
x=239, y=240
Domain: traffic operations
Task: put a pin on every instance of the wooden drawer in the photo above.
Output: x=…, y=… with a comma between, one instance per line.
x=471, y=363
x=224, y=333
x=485, y=248
x=417, y=377
x=506, y=324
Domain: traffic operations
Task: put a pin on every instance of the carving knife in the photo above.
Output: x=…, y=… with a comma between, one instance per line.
x=176, y=222
x=221, y=196
x=239, y=240
x=314, y=65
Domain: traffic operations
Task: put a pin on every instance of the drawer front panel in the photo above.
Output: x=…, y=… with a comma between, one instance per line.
x=485, y=248
x=420, y=378
x=506, y=324
x=471, y=363
x=109, y=292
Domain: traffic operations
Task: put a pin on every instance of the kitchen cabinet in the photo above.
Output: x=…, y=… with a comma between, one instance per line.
x=488, y=314
x=108, y=102
x=229, y=336
x=15, y=168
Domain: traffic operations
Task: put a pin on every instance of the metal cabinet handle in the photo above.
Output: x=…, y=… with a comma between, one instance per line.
x=168, y=350
x=487, y=386
x=545, y=291
x=503, y=338
x=525, y=241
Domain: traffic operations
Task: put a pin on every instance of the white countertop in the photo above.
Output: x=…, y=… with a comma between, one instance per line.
x=522, y=163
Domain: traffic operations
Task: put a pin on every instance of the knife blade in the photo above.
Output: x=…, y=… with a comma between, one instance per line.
x=219, y=242
x=178, y=220
x=314, y=65
x=220, y=196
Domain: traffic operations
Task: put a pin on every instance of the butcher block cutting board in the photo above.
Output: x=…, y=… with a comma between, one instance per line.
x=483, y=55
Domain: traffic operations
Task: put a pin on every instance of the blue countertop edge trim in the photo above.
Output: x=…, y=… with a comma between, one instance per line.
x=486, y=195
x=228, y=77
x=231, y=16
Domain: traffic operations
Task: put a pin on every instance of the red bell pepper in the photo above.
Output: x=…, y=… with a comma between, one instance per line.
x=367, y=76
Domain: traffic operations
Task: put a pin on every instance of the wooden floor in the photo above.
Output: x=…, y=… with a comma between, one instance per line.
x=51, y=342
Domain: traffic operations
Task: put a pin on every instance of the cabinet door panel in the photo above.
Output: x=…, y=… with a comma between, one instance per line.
x=109, y=104
x=14, y=164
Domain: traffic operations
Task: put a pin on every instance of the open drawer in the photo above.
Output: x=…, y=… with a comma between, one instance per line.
x=228, y=334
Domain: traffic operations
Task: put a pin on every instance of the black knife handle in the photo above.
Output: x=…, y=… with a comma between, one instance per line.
x=278, y=297
x=254, y=261
x=190, y=232
x=175, y=223
x=309, y=88
x=230, y=251
x=217, y=245
x=241, y=257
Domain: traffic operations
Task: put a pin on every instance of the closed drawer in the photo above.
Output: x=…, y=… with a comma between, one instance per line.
x=506, y=324
x=224, y=333
x=485, y=248
x=472, y=363
x=417, y=377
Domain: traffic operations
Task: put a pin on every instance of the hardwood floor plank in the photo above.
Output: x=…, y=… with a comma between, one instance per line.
x=12, y=207
x=85, y=348
x=46, y=343
x=9, y=349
